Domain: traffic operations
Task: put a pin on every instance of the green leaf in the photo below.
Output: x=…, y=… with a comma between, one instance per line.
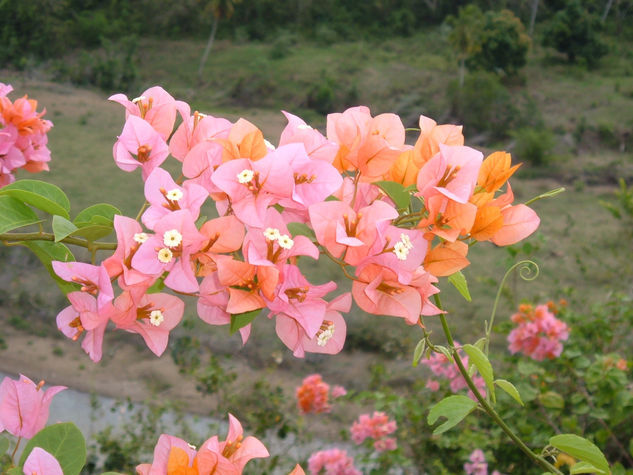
x=62, y=228
x=92, y=232
x=300, y=229
x=509, y=388
x=4, y=445
x=63, y=441
x=526, y=368
x=240, y=320
x=417, y=353
x=551, y=400
x=454, y=409
x=157, y=286
x=48, y=251
x=396, y=192
x=15, y=471
x=481, y=343
x=91, y=214
x=445, y=351
x=584, y=467
x=459, y=282
x=45, y=196
x=15, y=214
x=581, y=449
x=111, y=473
x=480, y=360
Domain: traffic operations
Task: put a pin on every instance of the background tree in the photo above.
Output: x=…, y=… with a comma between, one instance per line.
x=574, y=31
x=503, y=43
x=219, y=9
x=464, y=35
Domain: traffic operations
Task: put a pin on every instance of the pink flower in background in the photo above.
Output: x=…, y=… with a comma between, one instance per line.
x=23, y=139
x=444, y=368
x=478, y=464
x=40, y=462
x=24, y=406
x=313, y=395
x=539, y=333
x=332, y=462
x=376, y=427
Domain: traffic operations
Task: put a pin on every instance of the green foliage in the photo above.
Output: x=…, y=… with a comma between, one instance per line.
x=622, y=209
x=503, y=43
x=533, y=145
x=263, y=407
x=111, y=67
x=483, y=104
x=122, y=448
x=574, y=31
x=492, y=41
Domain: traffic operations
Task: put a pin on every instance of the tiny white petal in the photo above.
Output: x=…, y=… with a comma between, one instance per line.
x=172, y=238
x=272, y=234
x=156, y=317
x=174, y=195
x=140, y=237
x=285, y=241
x=165, y=255
x=245, y=176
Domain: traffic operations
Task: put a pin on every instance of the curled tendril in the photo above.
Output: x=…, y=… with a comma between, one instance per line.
x=528, y=271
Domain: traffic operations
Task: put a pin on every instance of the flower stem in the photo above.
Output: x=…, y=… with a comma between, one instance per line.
x=11, y=238
x=17, y=444
x=540, y=461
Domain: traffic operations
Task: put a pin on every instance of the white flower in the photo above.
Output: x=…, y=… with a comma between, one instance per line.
x=174, y=195
x=245, y=176
x=156, y=317
x=172, y=238
x=272, y=234
x=285, y=241
x=325, y=334
x=165, y=255
x=140, y=237
x=401, y=251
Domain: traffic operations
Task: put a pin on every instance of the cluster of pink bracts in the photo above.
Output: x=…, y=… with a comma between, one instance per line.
x=326, y=186
x=539, y=334
x=23, y=136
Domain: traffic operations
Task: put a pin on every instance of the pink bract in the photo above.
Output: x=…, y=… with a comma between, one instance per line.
x=40, y=462
x=24, y=406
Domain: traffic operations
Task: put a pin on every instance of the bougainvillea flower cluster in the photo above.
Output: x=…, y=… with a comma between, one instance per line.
x=446, y=369
x=174, y=455
x=311, y=197
x=23, y=139
x=539, y=334
x=376, y=427
x=314, y=395
x=332, y=462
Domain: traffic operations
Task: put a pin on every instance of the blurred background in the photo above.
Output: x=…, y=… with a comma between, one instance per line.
x=550, y=81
